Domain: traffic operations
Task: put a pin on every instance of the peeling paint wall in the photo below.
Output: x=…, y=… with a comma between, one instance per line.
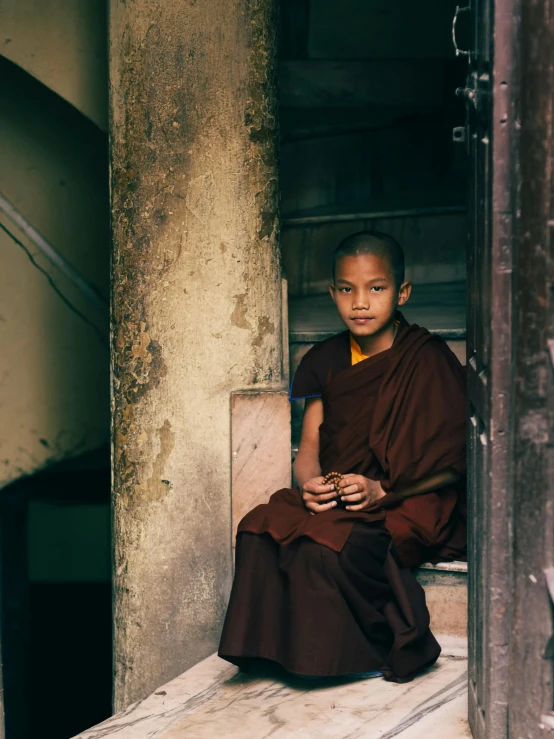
x=54, y=381
x=62, y=44
x=196, y=309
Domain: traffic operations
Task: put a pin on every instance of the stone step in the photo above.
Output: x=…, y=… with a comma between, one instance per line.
x=212, y=699
x=445, y=586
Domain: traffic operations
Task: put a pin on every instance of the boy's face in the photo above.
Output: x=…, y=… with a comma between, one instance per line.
x=365, y=294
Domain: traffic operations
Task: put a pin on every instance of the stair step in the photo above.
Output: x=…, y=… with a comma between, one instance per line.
x=445, y=586
x=446, y=567
x=212, y=700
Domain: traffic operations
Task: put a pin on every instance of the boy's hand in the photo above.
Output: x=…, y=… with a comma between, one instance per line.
x=317, y=496
x=359, y=492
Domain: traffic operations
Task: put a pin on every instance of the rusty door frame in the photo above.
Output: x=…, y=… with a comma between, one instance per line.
x=531, y=647
x=491, y=109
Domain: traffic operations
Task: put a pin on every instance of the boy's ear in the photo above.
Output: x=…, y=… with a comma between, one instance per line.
x=404, y=292
x=332, y=291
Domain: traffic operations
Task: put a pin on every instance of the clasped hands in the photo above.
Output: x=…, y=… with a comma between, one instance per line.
x=357, y=492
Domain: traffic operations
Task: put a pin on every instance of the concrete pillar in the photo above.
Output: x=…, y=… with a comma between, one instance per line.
x=196, y=309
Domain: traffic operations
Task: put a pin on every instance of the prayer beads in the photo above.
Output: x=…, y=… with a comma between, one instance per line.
x=333, y=478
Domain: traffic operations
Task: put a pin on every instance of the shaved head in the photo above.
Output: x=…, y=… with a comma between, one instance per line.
x=377, y=244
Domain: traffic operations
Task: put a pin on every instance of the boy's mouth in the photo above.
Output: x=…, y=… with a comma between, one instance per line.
x=361, y=319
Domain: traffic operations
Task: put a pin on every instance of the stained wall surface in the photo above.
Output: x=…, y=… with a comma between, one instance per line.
x=64, y=45
x=197, y=309
x=54, y=388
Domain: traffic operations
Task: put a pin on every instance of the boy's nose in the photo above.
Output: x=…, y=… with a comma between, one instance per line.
x=360, y=302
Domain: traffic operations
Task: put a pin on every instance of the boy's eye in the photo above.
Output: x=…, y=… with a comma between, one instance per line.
x=345, y=290
x=379, y=288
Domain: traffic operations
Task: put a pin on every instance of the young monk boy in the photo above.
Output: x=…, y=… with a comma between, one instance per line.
x=323, y=584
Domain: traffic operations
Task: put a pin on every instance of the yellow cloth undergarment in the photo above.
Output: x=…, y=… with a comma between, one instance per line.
x=355, y=351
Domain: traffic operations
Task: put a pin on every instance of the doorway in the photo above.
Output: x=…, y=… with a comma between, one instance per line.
x=368, y=114
x=372, y=137
x=56, y=599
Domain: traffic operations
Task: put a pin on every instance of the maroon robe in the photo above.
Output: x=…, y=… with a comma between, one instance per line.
x=332, y=592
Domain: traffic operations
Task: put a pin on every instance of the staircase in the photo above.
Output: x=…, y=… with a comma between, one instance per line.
x=441, y=308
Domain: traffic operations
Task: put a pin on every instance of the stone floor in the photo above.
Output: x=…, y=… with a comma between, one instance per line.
x=213, y=700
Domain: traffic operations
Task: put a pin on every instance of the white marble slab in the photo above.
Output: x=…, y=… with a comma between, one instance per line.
x=213, y=700
x=260, y=439
x=446, y=566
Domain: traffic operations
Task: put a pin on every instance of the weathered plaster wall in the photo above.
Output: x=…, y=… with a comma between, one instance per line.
x=53, y=367
x=62, y=44
x=197, y=309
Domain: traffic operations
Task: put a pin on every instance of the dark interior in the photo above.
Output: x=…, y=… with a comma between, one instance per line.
x=56, y=599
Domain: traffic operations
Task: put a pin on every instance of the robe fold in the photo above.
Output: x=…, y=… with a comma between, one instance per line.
x=330, y=594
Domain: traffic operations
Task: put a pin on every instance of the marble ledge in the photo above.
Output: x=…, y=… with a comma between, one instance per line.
x=446, y=566
x=213, y=699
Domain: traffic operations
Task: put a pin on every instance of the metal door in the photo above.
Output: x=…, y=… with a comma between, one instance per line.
x=489, y=124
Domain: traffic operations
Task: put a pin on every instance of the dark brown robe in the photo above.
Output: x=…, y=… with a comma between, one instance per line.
x=331, y=594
